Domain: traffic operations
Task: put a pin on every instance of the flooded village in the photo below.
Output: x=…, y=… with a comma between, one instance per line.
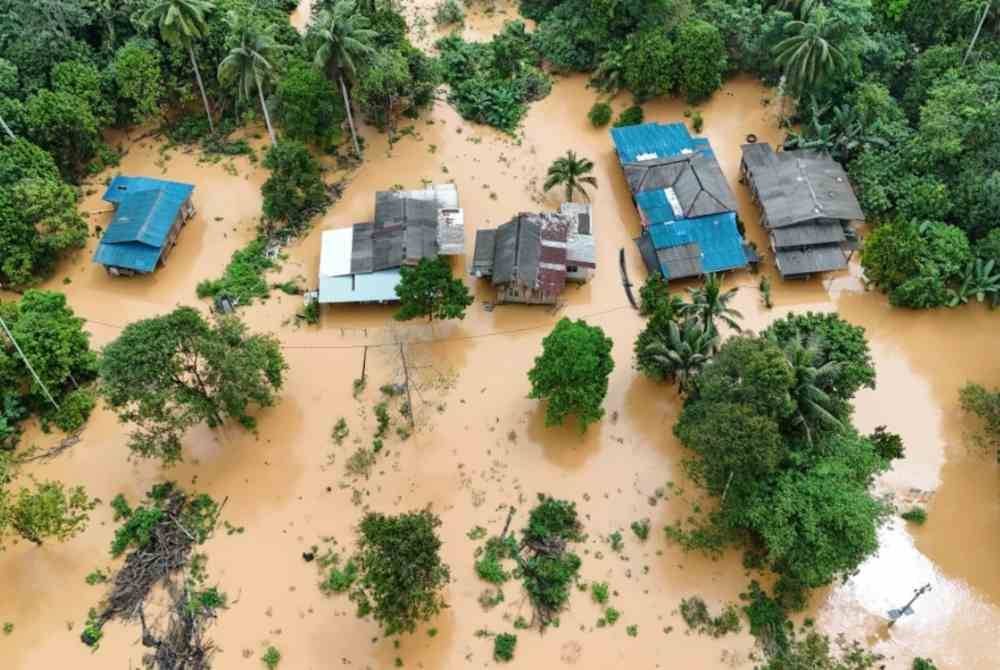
x=469, y=443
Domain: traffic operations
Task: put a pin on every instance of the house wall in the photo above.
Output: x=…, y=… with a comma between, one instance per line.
x=524, y=295
x=186, y=212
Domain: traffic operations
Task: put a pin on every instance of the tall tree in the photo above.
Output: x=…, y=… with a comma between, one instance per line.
x=182, y=23
x=808, y=54
x=345, y=37
x=710, y=303
x=683, y=351
x=572, y=173
x=171, y=372
x=249, y=63
x=814, y=407
x=572, y=372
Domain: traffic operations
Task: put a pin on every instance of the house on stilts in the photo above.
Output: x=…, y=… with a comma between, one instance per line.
x=531, y=258
x=687, y=210
x=361, y=264
x=808, y=207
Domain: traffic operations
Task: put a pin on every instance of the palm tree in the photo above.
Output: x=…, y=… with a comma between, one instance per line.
x=709, y=302
x=248, y=64
x=807, y=53
x=683, y=351
x=345, y=37
x=571, y=172
x=181, y=22
x=814, y=407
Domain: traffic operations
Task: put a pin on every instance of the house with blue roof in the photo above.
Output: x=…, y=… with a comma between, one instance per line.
x=149, y=214
x=687, y=210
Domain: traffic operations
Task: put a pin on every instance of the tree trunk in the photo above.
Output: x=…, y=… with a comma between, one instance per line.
x=267, y=116
x=201, y=88
x=569, y=191
x=6, y=129
x=979, y=29
x=350, y=117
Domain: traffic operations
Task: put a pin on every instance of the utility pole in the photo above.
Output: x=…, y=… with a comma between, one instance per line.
x=979, y=29
x=28, y=364
x=895, y=615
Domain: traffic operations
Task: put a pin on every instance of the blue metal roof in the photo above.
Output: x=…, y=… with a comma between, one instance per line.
x=146, y=210
x=661, y=139
x=717, y=236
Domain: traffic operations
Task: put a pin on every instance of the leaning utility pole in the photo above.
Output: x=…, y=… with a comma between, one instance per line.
x=979, y=29
x=895, y=615
x=28, y=364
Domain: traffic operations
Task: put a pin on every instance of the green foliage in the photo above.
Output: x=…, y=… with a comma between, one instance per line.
x=503, y=647
x=555, y=519
x=120, y=507
x=600, y=114
x=571, y=173
x=340, y=431
x=138, y=79
x=492, y=82
x=271, y=658
x=96, y=577
x=137, y=530
x=309, y=106
x=84, y=80
x=808, y=648
x=243, y=279
x=92, y=632
x=920, y=663
x=429, y=289
x=382, y=419
x=654, y=296
x=649, y=65
x=396, y=82
x=46, y=511
x=340, y=580
x=63, y=125
x=572, y=372
x=632, y=116
x=489, y=566
x=168, y=373
x=599, y=591
x=768, y=622
x=52, y=337
x=8, y=628
x=641, y=529
x=611, y=616
x=985, y=405
x=701, y=59
x=400, y=570
x=697, y=124
x=448, y=12
x=616, y=541
x=917, y=515
x=632, y=630
x=294, y=192
x=547, y=579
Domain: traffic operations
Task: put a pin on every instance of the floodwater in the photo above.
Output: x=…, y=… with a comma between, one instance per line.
x=481, y=445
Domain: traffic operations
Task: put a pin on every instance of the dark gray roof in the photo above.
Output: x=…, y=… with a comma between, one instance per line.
x=485, y=252
x=811, y=260
x=808, y=234
x=696, y=179
x=681, y=261
x=648, y=253
x=530, y=250
x=800, y=186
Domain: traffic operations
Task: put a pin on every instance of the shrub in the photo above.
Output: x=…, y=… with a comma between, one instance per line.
x=917, y=515
x=448, y=12
x=599, y=592
x=74, y=410
x=923, y=664
x=503, y=646
x=611, y=616
x=243, y=279
x=701, y=59
x=641, y=529
x=695, y=613
x=632, y=116
x=600, y=114
x=271, y=658
x=697, y=122
x=295, y=190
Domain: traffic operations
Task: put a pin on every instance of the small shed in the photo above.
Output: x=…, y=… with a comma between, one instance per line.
x=149, y=214
x=338, y=283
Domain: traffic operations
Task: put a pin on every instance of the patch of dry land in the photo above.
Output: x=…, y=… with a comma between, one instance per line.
x=480, y=444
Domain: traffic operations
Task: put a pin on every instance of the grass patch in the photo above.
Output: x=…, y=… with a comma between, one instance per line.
x=243, y=279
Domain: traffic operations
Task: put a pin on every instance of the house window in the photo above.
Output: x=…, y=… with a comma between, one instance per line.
x=572, y=268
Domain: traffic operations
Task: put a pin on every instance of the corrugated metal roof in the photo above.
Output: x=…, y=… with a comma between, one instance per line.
x=682, y=261
x=335, y=252
x=485, y=252
x=808, y=234
x=366, y=287
x=661, y=140
x=716, y=236
x=800, y=186
x=811, y=260
x=145, y=213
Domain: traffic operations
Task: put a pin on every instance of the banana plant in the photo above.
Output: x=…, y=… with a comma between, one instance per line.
x=980, y=281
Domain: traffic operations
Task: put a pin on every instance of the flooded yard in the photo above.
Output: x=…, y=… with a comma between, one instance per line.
x=481, y=445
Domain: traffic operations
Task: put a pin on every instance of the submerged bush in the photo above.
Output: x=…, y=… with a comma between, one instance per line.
x=600, y=114
x=448, y=12
x=632, y=116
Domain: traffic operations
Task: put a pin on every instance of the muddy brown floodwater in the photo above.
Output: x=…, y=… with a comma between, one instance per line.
x=481, y=444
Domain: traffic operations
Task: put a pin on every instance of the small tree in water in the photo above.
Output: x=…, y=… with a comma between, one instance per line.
x=171, y=372
x=430, y=290
x=400, y=570
x=572, y=372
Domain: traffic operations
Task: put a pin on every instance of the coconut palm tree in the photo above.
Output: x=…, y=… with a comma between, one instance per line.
x=814, y=407
x=709, y=302
x=345, y=37
x=181, y=22
x=249, y=63
x=683, y=351
x=807, y=54
x=572, y=173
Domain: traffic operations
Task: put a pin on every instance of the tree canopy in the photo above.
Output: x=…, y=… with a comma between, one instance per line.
x=171, y=372
x=429, y=289
x=572, y=372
